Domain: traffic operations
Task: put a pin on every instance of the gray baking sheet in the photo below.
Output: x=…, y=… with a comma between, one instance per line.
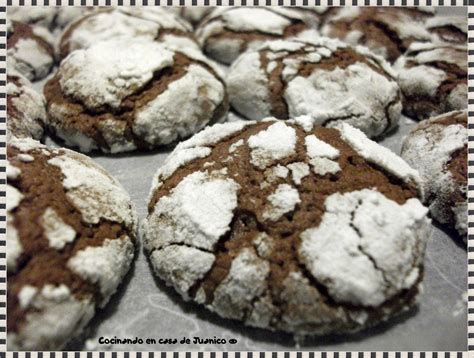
x=145, y=308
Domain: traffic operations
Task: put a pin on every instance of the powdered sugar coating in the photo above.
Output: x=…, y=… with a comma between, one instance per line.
x=251, y=266
x=363, y=93
x=321, y=156
x=56, y=230
x=57, y=316
x=173, y=114
x=318, y=148
x=196, y=213
x=377, y=251
x=430, y=148
x=90, y=77
x=105, y=265
x=246, y=280
x=238, y=80
x=298, y=171
x=151, y=24
x=37, y=15
x=194, y=148
x=219, y=34
x=385, y=31
x=26, y=295
x=26, y=111
x=14, y=247
x=93, y=191
x=139, y=95
x=378, y=155
x=181, y=265
x=276, y=142
x=282, y=201
x=28, y=53
x=82, y=224
x=27, y=144
x=433, y=79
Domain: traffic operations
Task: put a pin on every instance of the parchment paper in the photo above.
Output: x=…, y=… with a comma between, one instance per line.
x=145, y=308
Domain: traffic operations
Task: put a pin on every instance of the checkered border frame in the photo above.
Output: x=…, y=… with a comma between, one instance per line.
x=470, y=264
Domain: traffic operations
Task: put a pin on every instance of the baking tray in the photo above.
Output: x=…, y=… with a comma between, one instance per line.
x=145, y=308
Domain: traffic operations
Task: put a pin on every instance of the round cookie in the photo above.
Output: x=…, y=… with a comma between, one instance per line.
x=290, y=227
x=229, y=31
x=450, y=29
x=438, y=148
x=25, y=108
x=71, y=233
x=387, y=31
x=324, y=78
x=130, y=93
x=155, y=24
x=433, y=79
x=29, y=50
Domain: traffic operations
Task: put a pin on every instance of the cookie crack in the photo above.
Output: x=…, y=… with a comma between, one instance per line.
x=391, y=34
x=363, y=251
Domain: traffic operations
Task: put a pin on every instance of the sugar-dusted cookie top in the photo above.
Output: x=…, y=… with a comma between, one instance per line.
x=288, y=226
x=155, y=24
x=29, y=50
x=131, y=93
x=70, y=241
x=25, y=108
x=323, y=78
x=229, y=31
x=387, y=31
x=433, y=79
x=437, y=147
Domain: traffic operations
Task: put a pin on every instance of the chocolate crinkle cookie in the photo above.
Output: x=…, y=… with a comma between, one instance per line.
x=433, y=79
x=25, y=108
x=451, y=29
x=229, y=31
x=324, y=78
x=438, y=148
x=155, y=24
x=71, y=233
x=131, y=93
x=286, y=226
x=387, y=31
x=29, y=50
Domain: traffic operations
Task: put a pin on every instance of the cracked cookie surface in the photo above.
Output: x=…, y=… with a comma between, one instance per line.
x=433, y=79
x=278, y=224
x=450, y=29
x=25, y=108
x=127, y=94
x=387, y=31
x=438, y=148
x=323, y=78
x=229, y=31
x=29, y=50
x=154, y=24
x=71, y=233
